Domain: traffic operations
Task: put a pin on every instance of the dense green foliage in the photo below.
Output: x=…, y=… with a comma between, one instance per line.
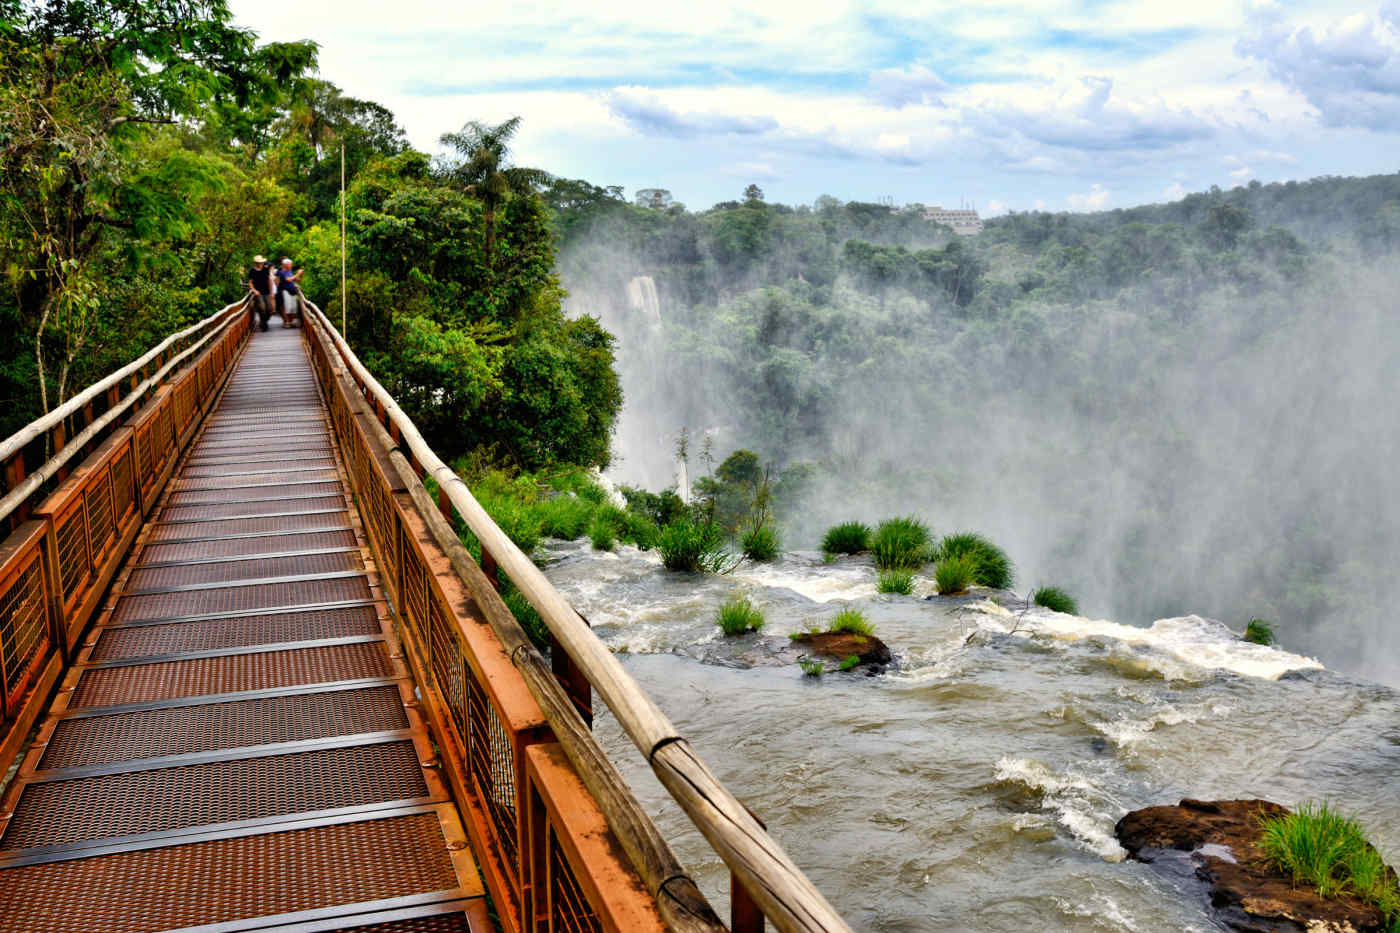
x=1056, y=600
x=847, y=538
x=738, y=615
x=954, y=574
x=990, y=565
x=900, y=582
x=149, y=150
x=1326, y=850
x=1259, y=632
x=694, y=546
x=900, y=543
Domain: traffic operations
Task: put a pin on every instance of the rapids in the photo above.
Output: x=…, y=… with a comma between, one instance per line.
x=975, y=784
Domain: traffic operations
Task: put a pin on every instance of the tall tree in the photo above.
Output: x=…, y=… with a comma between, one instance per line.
x=486, y=173
x=81, y=83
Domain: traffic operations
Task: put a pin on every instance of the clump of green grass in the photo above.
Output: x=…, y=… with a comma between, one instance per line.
x=850, y=662
x=846, y=538
x=760, y=544
x=1260, y=632
x=896, y=581
x=526, y=615
x=810, y=667
x=1328, y=851
x=602, y=534
x=738, y=615
x=953, y=575
x=852, y=622
x=1056, y=600
x=693, y=547
x=565, y=516
x=990, y=565
x=900, y=543
x=513, y=517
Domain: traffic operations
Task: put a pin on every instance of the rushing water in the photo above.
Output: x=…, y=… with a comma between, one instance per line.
x=975, y=785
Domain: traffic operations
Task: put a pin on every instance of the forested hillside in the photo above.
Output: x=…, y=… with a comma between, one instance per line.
x=1173, y=408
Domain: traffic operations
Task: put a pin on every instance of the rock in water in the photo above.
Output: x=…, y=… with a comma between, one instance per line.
x=1218, y=842
x=842, y=645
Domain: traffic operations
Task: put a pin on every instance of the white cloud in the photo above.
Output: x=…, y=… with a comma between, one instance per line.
x=900, y=87
x=1174, y=192
x=1348, y=69
x=753, y=171
x=1094, y=200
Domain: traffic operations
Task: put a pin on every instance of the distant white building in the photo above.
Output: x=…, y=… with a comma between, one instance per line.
x=658, y=199
x=965, y=222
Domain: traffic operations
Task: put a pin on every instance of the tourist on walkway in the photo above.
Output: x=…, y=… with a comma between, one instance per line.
x=287, y=290
x=260, y=284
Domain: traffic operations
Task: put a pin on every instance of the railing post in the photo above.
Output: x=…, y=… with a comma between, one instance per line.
x=14, y=475
x=572, y=678
x=744, y=915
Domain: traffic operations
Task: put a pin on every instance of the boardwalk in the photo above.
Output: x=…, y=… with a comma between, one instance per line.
x=238, y=746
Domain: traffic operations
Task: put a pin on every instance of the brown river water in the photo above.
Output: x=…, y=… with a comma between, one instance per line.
x=975, y=784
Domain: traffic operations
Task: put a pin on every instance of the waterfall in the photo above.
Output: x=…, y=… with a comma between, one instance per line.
x=641, y=296
x=682, y=481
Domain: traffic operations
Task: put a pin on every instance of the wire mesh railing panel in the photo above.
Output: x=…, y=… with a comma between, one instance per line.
x=569, y=910
x=23, y=626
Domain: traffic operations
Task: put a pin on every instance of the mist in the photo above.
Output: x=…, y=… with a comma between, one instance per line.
x=1220, y=443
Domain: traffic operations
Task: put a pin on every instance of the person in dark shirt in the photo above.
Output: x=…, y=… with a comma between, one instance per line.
x=287, y=290
x=260, y=284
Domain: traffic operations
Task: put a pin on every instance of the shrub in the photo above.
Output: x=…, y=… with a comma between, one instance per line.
x=1056, y=600
x=565, y=516
x=896, y=581
x=694, y=548
x=517, y=520
x=850, y=661
x=737, y=615
x=846, y=538
x=526, y=615
x=810, y=668
x=900, y=543
x=990, y=565
x=851, y=621
x=1259, y=632
x=1320, y=847
x=602, y=535
x=760, y=544
x=953, y=575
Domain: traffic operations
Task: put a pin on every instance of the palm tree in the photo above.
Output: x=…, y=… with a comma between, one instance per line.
x=485, y=171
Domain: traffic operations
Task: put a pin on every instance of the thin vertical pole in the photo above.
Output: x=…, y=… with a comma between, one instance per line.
x=344, y=295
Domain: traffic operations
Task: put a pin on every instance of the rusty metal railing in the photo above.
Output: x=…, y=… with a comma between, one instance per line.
x=563, y=844
x=71, y=526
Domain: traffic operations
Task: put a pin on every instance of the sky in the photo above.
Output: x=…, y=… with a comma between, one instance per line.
x=1037, y=104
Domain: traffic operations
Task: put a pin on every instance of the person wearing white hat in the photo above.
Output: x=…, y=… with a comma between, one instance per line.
x=287, y=290
x=260, y=284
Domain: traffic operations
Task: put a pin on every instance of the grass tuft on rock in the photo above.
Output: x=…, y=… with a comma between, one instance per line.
x=1260, y=632
x=896, y=581
x=693, y=547
x=602, y=534
x=900, y=543
x=810, y=667
x=852, y=622
x=760, y=544
x=738, y=615
x=850, y=662
x=846, y=538
x=990, y=565
x=1056, y=600
x=1328, y=851
x=953, y=575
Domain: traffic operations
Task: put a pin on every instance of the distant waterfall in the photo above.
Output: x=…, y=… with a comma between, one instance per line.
x=682, y=480
x=641, y=296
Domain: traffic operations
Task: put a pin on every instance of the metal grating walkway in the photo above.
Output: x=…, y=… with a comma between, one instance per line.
x=238, y=746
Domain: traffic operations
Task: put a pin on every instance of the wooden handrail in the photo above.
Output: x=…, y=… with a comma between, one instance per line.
x=34, y=430
x=782, y=891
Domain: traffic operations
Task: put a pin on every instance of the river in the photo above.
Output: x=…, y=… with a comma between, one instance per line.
x=975, y=784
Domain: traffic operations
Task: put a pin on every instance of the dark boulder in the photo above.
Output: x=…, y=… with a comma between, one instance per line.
x=1218, y=842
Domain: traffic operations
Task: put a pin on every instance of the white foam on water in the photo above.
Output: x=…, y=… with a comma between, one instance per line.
x=821, y=583
x=1179, y=647
x=1127, y=731
x=1079, y=805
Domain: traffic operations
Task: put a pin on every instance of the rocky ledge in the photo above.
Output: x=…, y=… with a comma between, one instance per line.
x=841, y=645
x=1217, y=842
